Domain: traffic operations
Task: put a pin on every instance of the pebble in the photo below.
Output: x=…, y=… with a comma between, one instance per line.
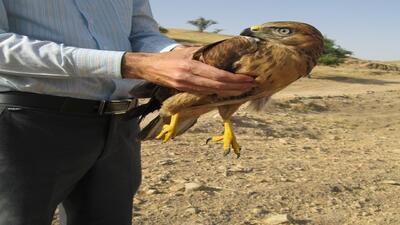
x=192, y=210
x=316, y=210
x=283, y=141
x=278, y=219
x=366, y=214
x=357, y=205
x=239, y=169
x=337, y=188
x=152, y=191
x=138, y=201
x=259, y=212
x=189, y=187
x=166, y=162
x=177, y=188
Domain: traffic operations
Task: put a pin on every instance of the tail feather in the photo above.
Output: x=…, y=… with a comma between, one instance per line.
x=258, y=105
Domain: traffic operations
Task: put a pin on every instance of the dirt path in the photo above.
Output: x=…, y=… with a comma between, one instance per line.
x=329, y=156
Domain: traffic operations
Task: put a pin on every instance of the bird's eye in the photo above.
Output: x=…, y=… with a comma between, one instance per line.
x=284, y=31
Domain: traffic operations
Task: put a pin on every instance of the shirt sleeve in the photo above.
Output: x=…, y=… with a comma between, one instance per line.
x=145, y=35
x=23, y=56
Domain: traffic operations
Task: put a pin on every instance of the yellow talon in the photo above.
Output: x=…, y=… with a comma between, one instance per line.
x=229, y=139
x=169, y=131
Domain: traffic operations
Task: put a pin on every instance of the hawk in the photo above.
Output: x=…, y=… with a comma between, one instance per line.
x=275, y=54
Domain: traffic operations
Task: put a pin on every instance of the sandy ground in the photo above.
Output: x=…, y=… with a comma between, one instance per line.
x=325, y=151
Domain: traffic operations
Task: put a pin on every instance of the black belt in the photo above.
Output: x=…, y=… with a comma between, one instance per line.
x=66, y=104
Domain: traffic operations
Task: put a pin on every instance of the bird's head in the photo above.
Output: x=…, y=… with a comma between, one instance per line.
x=300, y=35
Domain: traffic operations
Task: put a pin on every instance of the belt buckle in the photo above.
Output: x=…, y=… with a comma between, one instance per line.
x=122, y=106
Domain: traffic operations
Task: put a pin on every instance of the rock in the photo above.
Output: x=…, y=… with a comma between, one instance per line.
x=192, y=210
x=337, y=188
x=138, y=201
x=164, y=177
x=177, y=188
x=240, y=169
x=190, y=187
x=366, y=214
x=283, y=141
x=222, y=168
x=391, y=182
x=152, y=191
x=278, y=219
x=166, y=162
x=284, y=179
x=357, y=205
x=316, y=210
x=259, y=212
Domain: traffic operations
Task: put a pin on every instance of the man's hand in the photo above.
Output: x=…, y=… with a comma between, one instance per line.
x=176, y=69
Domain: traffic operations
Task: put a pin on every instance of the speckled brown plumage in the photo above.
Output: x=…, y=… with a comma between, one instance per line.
x=274, y=58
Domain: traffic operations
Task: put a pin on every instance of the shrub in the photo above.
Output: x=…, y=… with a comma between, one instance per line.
x=162, y=29
x=333, y=54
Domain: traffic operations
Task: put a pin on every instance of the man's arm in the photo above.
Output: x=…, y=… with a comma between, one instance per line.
x=22, y=56
x=145, y=35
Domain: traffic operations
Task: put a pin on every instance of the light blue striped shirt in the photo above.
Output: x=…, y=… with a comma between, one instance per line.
x=74, y=47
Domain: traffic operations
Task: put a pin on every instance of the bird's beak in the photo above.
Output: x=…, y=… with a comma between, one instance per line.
x=251, y=32
x=247, y=32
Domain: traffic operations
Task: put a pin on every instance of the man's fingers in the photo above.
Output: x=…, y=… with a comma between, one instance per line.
x=230, y=93
x=218, y=86
x=213, y=73
x=208, y=91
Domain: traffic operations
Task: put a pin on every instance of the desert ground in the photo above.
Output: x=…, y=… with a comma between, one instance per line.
x=325, y=151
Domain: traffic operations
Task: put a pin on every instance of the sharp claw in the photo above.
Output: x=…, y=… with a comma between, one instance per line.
x=237, y=155
x=208, y=140
x=227, y=151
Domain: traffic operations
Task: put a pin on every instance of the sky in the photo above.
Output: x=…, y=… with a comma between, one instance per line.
x=370, y=29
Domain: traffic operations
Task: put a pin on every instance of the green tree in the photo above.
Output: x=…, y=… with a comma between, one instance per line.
x=202, y=24
x=333, y=54
x=163, y=29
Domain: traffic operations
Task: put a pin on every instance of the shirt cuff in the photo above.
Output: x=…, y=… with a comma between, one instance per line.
x=169, y=47
x=98, y=63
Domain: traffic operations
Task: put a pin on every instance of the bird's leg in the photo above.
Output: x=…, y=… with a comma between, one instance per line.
x=228, y=138
x=169, y=130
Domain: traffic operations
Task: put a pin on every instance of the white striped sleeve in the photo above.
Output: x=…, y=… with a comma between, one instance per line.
x=22, y=56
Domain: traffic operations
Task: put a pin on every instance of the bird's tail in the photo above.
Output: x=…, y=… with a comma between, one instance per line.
x=154, y=127
x=258, y=105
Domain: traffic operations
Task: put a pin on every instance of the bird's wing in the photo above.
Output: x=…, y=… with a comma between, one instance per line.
x=225, y=53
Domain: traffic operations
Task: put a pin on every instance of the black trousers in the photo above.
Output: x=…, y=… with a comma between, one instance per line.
x=89, y=164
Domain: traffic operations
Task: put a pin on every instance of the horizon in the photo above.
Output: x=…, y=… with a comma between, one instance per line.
x=370, y=38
